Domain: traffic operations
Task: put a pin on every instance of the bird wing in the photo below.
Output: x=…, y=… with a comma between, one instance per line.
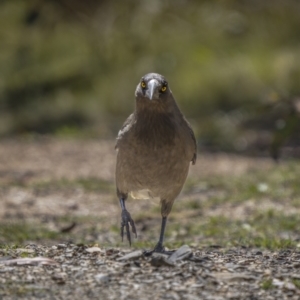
x=194, y=158
x=187, y=125
x=126, y=126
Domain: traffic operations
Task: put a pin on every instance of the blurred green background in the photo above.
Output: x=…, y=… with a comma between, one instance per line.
x=70, y=67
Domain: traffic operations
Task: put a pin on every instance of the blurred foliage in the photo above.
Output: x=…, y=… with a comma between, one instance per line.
x=72, y=66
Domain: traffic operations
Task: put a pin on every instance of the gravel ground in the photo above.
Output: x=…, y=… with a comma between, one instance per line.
x=31, y=191
x=78, y=272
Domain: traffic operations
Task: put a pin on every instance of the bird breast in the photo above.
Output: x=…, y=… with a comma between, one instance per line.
x=153, y=158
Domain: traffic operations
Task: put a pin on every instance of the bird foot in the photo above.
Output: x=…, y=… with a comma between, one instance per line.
x=126, y=221
x=159, y=248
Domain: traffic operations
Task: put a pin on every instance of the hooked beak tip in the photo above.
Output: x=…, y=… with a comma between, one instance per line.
x=151, y=95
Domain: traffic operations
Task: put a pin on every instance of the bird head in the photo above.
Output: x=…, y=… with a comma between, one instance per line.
x=152, y=87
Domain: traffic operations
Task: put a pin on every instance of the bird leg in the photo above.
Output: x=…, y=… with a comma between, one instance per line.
x=159, y=246
x=126, y=221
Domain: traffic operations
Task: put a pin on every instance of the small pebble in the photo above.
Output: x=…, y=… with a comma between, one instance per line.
x=93, y=250
x=102, y=277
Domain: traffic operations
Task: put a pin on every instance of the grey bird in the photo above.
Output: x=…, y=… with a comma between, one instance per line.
x=155, y=147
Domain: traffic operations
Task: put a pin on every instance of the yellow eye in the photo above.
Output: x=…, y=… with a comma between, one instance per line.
x=164, y=88
x=143, y=84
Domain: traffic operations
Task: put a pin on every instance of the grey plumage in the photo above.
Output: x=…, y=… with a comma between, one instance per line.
x=155, y=147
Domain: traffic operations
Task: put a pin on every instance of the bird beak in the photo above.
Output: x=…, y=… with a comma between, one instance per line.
x=152, y=92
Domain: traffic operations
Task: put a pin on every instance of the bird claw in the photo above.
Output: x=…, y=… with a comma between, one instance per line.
x=158, y=249
x=126, y=221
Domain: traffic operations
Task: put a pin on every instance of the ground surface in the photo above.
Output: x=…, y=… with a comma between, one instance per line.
x=239, y=215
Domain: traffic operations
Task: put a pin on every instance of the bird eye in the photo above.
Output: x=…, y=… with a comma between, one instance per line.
x=143, y=84
x=164, y=88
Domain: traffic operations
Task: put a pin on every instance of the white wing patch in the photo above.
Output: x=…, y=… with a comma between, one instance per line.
x=144, y=194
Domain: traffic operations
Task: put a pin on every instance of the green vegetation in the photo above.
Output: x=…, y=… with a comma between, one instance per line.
x=296, y=282
x=267, y=284
x=24, y=290
x=87, y=184
x=71, y=68
x=19, y=232
x=258, y=209
x=86, y=229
